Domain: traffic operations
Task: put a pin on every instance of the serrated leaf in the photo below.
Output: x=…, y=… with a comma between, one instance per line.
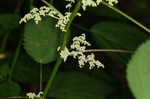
x=115, y=35
x=9, y=89
x=41, y=40
x=138, y=72
x=9, y=21
x=75, y=85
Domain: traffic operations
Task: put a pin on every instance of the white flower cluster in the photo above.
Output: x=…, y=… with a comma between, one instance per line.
x=34, y=96
x=90, y=3
x=62, y=22
x=78, y=48
x=36, y=14
x=112, y=2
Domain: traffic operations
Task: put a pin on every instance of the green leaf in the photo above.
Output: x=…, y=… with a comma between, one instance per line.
x=41, y=40
x=9, y=89
x=115, y=35
x=26, y=70
x=9, y=21
x=4, y=70
x=76, y=85
x=138, y=72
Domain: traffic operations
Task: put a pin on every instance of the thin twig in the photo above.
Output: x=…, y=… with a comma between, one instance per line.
x=41, y=76
x=127, y=16
x=13, y=64
x=108, y=50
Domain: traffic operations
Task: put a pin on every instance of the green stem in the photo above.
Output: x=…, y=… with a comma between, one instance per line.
x=108, y=50
x=59, y=60
x=74, y=14
x=15, y=59
x=127, y=16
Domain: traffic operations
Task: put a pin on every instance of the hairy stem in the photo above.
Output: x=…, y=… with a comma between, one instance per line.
x=15, y=59
x=59, y=60
x=127, y=16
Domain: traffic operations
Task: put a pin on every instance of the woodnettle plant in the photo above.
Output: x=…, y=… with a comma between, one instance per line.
x=73, y=49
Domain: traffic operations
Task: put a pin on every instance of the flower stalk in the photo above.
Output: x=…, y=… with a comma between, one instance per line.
x=127, y=16
x=108, y=50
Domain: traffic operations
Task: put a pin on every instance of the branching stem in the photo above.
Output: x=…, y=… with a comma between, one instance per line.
x=59, y=60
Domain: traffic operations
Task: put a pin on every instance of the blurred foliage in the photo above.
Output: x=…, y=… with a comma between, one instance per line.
x=138, y=72
x=116, y=35
x=104, y=27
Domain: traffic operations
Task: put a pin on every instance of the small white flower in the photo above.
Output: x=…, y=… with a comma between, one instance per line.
x=39, y=94
x=64, y=54
x=95, y=3
x=90, y=3
x=69, y=5
x=112, y=2
x=62, y=21
x=36, y=14
x=93, y=62
x=82, y=60
x=79, y=14
x=32, y=95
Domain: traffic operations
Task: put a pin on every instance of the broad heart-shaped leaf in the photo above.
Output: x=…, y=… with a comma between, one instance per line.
x=41, y=40
x=115, y=35
x=9, y=21
x=77, y=85
x=9, y=89
x=138, y=72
